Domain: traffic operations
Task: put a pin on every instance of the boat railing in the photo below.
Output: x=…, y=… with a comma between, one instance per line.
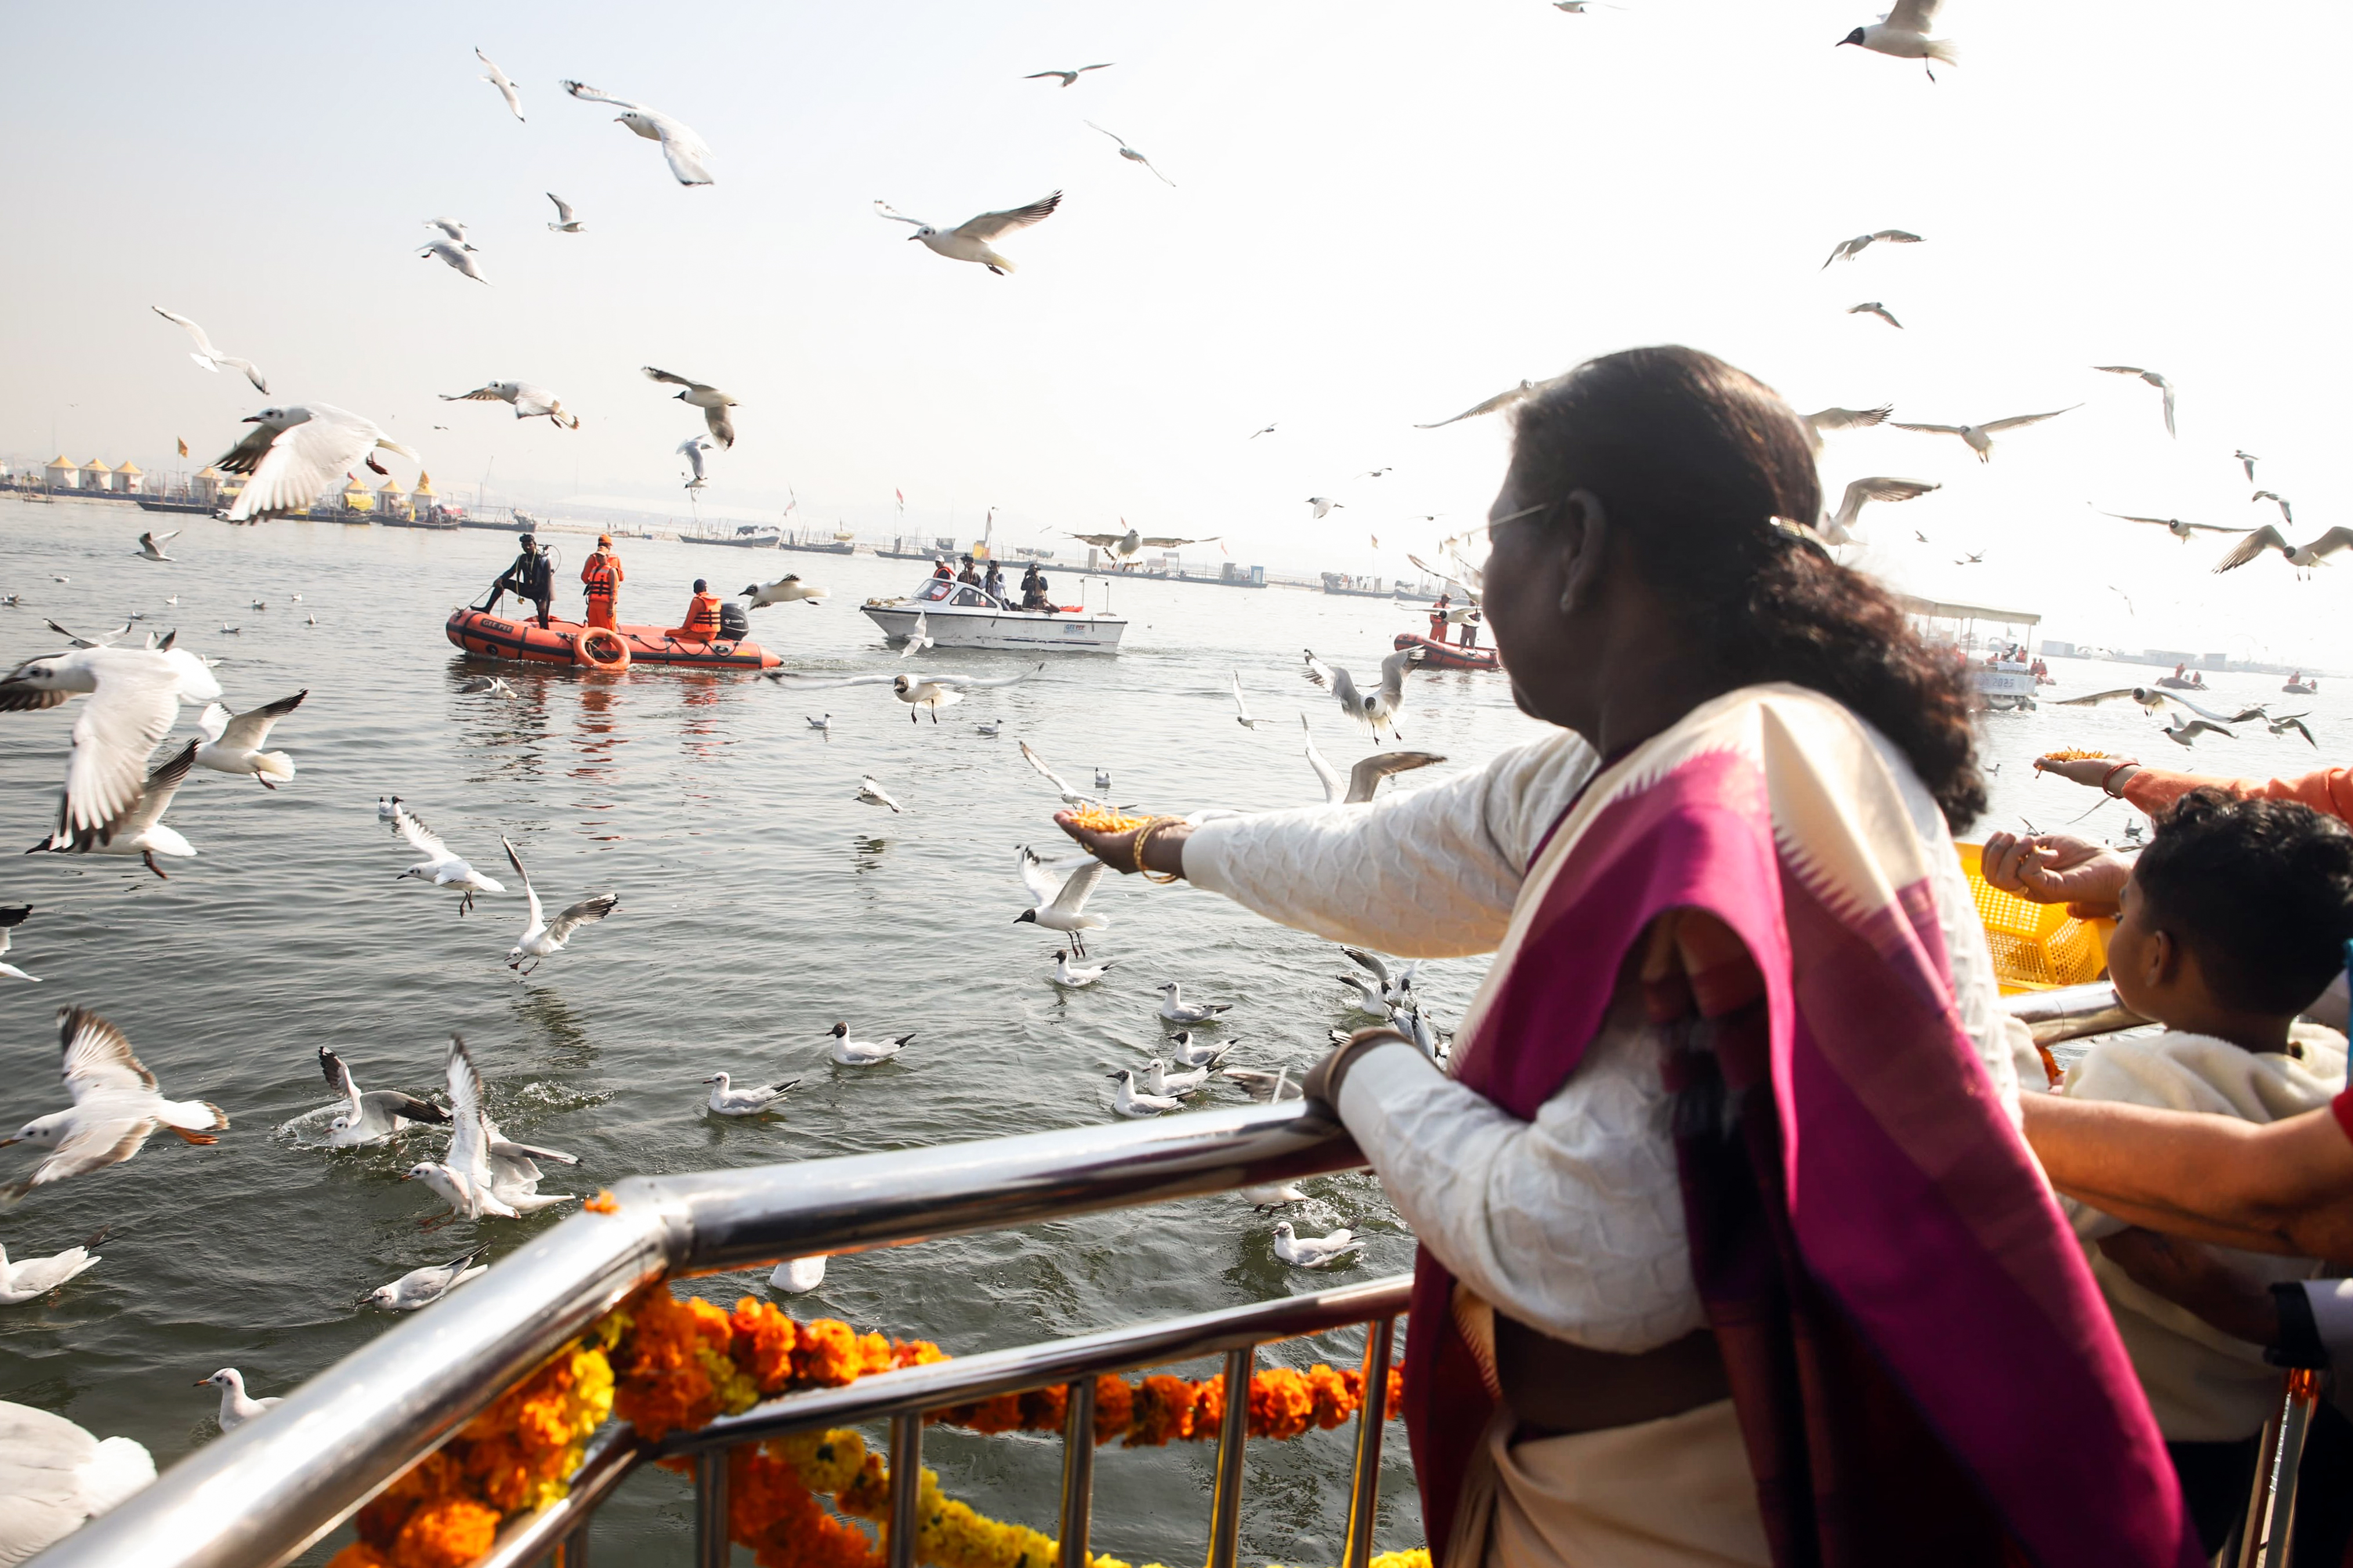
x=263, y=1494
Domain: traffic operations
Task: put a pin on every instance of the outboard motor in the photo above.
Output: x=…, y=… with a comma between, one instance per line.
x=734, y=623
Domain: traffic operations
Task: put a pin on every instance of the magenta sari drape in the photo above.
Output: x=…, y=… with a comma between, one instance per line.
x=1924, y=1368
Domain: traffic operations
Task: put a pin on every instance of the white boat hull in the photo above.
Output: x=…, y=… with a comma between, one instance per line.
x=1025, y=631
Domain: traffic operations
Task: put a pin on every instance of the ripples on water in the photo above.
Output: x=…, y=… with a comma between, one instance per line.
x=759, y=903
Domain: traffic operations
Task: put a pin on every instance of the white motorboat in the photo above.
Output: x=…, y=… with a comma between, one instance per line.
x=958, y=615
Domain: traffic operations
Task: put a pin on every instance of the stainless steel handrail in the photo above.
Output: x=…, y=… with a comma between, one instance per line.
x=262, y=1494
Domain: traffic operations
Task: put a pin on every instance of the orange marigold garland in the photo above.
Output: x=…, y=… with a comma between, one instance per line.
x=667, y=1365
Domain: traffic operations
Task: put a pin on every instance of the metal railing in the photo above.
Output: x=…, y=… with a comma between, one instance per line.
x=262, y=1494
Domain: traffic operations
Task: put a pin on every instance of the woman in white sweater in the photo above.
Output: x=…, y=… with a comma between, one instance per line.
x=1731, y=1253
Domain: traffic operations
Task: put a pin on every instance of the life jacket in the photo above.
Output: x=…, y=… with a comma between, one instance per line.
x=602, y=573
x=703, y=617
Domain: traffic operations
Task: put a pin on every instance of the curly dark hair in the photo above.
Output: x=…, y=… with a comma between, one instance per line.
x=2260, y=891
x=1695, y=460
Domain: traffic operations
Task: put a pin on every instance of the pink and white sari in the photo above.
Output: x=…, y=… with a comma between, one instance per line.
x=1922, y=1368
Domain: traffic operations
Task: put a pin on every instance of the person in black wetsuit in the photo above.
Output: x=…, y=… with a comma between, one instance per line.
x=530, y=578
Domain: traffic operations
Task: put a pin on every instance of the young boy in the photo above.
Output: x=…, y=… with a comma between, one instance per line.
x=2234, y=919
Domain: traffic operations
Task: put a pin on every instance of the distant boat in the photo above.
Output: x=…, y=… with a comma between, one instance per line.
x=157, y=503
x=742, y=539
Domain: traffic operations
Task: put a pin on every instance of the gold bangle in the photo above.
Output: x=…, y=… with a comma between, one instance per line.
x=1143, y=837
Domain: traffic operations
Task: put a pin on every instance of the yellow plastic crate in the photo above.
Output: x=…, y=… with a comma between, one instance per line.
x=2036, y=947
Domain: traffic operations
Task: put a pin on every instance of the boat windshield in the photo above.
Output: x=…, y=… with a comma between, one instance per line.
x=958, y=596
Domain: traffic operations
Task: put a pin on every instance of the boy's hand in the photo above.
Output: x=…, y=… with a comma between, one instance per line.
x=2056, y=869
x=2188, y=1274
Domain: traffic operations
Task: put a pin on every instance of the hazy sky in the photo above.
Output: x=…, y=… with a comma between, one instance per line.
x=1383, y=213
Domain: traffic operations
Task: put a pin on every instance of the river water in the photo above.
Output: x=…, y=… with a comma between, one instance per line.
x=760, y=902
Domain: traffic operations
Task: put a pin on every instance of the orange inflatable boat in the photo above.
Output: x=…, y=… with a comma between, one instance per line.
x=618, y=647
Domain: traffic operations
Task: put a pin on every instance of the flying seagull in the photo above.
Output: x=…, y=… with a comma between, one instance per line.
x=1126, y=546
x=1242, y=714
x=542, y=938
x=150, y=546
x=1322, y=504
x=1130, y=155
x=1267, y=430
x=2248, y=460
x=1366, y=776
x=530, y=401
x=2175, y=526
x=11, y=918
x=1500, y=401
x=117, y=1106
x=1377, y=708
x=498, y=78
x=969, y=240
x=2303, y=557
x=375, y=1115
x=1903, y=33
x=1059, y=900
x=691, y=450
x=2154, y=699
x=232, y=742
x=714, y=403
x=566, y=223
x=295, y=452
x=211, y=358
x=451, y=229
x=1069, y=77
x=2287, y=512
x=2287, y=721
x=1874, y=308
x=687, y=153
x=134, y=699
x=460, y=259
x=1848, y=249
x=1831, y=421
x=2159, y=383
x=1838, y=528
x=1981, y=436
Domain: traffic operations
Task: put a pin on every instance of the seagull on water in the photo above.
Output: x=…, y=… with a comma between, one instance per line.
x=1981, y=436
x=530, y=401
x=1061, y=901
x=566, y=223
x=785, y=590
x=1903, y=33
x=439, y=867
x=1187, y=1052
x=874, y=793
x=1268, y=1197
x=798, y=1276
x=482, y=1174
x=138, y=831
x=232, y=742
x=688, y=154
x=969, y=241
x=1130, y=155
x=1848, y=249
x=423, y=1287
x=1158, y=1079
x=726, y=1100
x=1064, y=975
x=1129, y=1100
x=1369, y=1000
x=1376, y=709
x=822, y=723
x=852, y=1053
x=1174, y=1007
x=459, y=259
x=237, y=1407
x=117, y=1106
x=1838, y=528
x=295, y=453
x=150, y=548
x=1874, y=308
x=714, y=403
x=29, y=1277
x=919, y=636
x=2158, y=382
x=376, y=1115
x=134, y=699
x=542, y=938
x=1070, y=76
x=485, y=685
x=2303, y=557
x=992, y=729
x=211, y=358
x=1366, y=776
x=10, y=919
x=1395, y=990
x=1312, y=1251
x=498, y=78
x=56, y=1477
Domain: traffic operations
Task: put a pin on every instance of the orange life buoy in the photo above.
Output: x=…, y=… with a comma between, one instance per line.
x=585, y=645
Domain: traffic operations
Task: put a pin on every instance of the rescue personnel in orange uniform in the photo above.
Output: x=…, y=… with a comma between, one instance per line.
x=602, y=574
x=701, y=617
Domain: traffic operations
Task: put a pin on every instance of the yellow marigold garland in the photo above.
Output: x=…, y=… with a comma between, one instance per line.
x=666, y=1364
